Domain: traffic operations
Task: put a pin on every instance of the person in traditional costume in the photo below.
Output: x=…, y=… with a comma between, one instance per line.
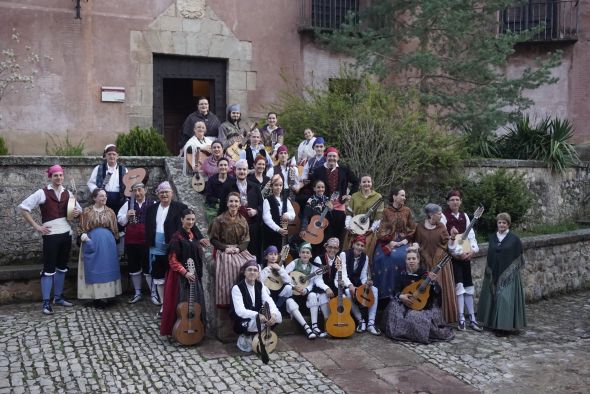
x=231, y=131
x=253, y=149
x=314, y=206
x=229, y=235
x=401, y=322
x=250, y=205
x=464, y=289
x=99, y=275
x=305, y=186
x=396, y=229
x=210, y=167
x=184, y=246
x=247, y=298
x=338, y=178
x=356, y=264
x=501, y=303
x=283, y=168
x=197, y=141
x=162, y=221
x=313, y=300
x=328, y=259
x=272, y=267
x=277, y=211
x=435, y=242
x=359, y=204
x=259, y=175
x=109, y=176
x=136, y=249
x=271, y=133
x=214, y=188
x=305, y=149
x=56, y=233
x=201, y=114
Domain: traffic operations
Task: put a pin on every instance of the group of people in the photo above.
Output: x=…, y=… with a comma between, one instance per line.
x=261, y=201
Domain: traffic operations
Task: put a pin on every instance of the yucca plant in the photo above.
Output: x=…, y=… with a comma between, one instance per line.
x=561, y=153
x=547, y=141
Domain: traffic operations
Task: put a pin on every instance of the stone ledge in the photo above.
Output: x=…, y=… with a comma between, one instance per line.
x=79, y=161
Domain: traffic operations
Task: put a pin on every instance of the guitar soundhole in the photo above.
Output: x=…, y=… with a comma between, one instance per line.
x=340, y=309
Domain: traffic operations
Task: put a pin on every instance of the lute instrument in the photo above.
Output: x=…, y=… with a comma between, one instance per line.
x=419, y=291
x=340, y=323
x=189, y=329
x=364, y=295
x=463, y=244
x=268, y=336
x=299, y=278
x=314, y=233
x=198, y=180
x=361, y=223
x=274, y=281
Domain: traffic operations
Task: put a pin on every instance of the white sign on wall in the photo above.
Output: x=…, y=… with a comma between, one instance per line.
x=112, y=94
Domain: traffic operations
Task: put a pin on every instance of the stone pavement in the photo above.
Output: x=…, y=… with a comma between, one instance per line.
x=120, y=350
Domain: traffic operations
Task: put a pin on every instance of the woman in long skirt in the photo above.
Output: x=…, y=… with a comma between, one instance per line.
x=501, y=303
x=230, y=236
x=404, y=323
x=99, y=275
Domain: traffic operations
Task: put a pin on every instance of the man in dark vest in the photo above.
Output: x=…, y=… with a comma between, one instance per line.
x=464, y=289
x=248, y=297
x=356, y=263
x=132, y=217
x=109, y=176
x=338, y=178
x=252, y=149
x=56, y=232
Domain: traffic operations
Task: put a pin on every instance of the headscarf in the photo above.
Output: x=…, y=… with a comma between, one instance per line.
x=53, y=169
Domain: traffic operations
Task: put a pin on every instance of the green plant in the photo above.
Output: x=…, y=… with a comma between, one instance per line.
x=379, y=131
x=500, y=191
x=142, y=142
x=547, y=141
x=3, y=147
x=65, y=147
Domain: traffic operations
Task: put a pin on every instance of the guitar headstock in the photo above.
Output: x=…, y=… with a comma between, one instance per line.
x=338, y=263
x=265, y=310
x=478, y=212
x=322, y=270
x=284, y=253
x=190, y=266
x=335, y=196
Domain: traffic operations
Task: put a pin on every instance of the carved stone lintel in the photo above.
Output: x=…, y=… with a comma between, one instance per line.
x=191, y=9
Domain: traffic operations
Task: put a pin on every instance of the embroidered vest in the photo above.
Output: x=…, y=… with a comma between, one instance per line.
x=52, y=209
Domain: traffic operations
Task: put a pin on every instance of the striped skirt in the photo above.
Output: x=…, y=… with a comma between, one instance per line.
x=227, y=269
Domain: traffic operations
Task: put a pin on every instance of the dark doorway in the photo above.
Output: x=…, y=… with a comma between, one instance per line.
x=178, y=81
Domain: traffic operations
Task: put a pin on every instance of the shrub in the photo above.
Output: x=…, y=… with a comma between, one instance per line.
x=501, y=191
x=65, y=147
x=379, y=131
x=547, y=141
x=142, y=142
x=3, y=147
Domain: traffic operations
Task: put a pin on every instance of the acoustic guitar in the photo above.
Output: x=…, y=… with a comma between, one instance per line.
x=314, y=233
x=274, y=281
x=340, y=323
x=361, y=223
x=136, y=175
x=299, y=278
x=463, y=244
x=419, y=291
x=364, y=295
x=198, y=180
x=188, y=329
x=268, y=336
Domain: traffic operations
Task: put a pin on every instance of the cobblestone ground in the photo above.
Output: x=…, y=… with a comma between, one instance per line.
x=120, y=350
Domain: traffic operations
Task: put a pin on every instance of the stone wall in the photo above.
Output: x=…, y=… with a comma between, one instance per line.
x=555, y=264
x=20, y=176
x=557, y=197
